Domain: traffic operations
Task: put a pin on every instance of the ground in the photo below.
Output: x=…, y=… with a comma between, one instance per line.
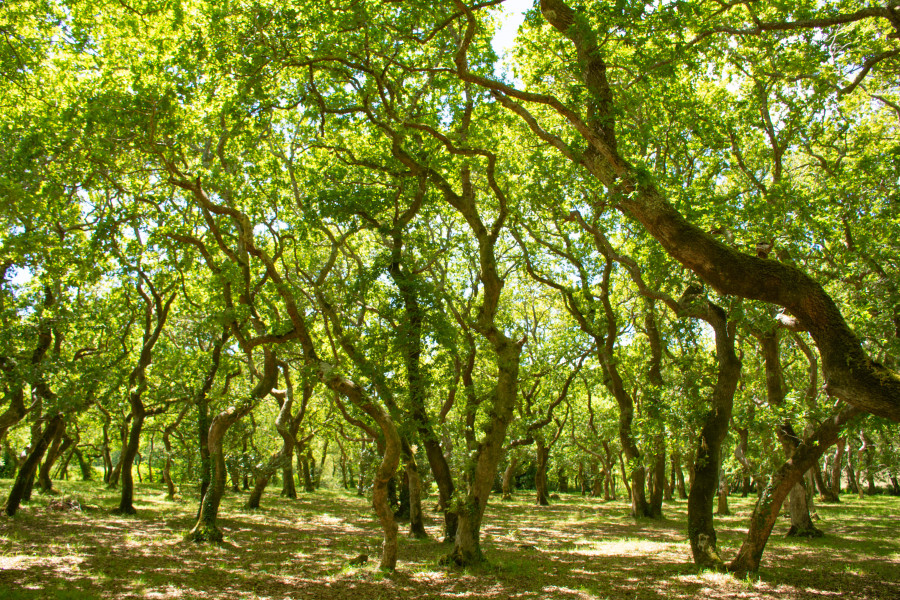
x=578, y=548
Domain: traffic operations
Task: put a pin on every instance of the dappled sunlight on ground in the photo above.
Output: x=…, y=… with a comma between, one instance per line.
x=578, y=548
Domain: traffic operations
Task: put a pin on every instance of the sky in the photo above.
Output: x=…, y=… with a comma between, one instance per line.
x=514, y=14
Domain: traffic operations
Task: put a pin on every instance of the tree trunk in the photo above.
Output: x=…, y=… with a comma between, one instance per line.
x=826, y=491
x=509, y=476
x=206, y=529
x=540, y=476
x=53, y=453
x=722, y=507
x=850, y=373
x=869, y=448
x=836, y=469
x=679, y=477
x=798, y=506
x=416, y=516
x=83, y=465
x=285, y=454
x=317, y=481
x=28, y=468
x=708, y=460
x=288, y=487
x=126, y=506
x=767, y=509
x=480, y=476
x=625, y=479
x=137, y=383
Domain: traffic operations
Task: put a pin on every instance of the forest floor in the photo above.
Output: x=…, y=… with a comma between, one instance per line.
x=578, y=548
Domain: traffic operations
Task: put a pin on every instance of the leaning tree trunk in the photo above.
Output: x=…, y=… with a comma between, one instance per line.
x=850, y=373
x=28, y=468
x=767, y=509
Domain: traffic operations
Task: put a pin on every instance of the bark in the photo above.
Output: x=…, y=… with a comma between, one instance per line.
x=670, y=483
x=308, y=469
x=798, y=506
x=653, y=409
x=625, y=478
x=827, y=493
x=540, y=476
x=201, y=401
x=767, y=509
x=26, y=472
x=722, y=507
x=416, y=516
x=836, y=469
x=156, y=311
x=84, y=465
x=679, y=474
x=708, y=460
x=410, y=337
x=868, y=450
x=480, y=477
x=801, y=522
x=508, y=477
x=57, y=447
x=167, y=444
x=206, y=529
x=285, y=454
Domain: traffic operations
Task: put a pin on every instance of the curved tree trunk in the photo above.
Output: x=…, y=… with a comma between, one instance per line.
x=167, y=444
x=480, y=478
x=206, y=529
x=126, y=506
x=779, y=487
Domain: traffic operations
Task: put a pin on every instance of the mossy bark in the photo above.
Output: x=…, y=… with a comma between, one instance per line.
x=28, y=468
x=708, y=460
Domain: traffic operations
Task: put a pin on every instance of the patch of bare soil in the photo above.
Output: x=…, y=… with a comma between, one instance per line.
x=578, y=548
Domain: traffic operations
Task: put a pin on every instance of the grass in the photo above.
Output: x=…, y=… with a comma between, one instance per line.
x=578, y=548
